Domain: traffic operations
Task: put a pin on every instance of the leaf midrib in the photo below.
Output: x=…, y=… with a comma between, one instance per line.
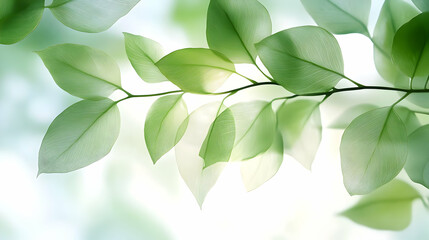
x=88, y=74
x=349, y=14
x=87, y=129
x=253, y=123
x=306, y=61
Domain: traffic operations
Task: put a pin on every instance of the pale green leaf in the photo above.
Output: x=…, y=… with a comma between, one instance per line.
x=143, y=53
x=162, y=124
x=263, y=167
x=196, y=70
x=255, y=129
x=387, y=208
x=423, y=5
x=344, y=120
x=233, y=27
x=303, y=59
x=81, y=135
x=18, y=18
x=417, y=165
x=340, y=16
x=218, y=144
x=393, y=15
x=90, y=16
x=373, y=150
x=82, y=71
x=413, y=59
x=191, y=166
x=300, y=124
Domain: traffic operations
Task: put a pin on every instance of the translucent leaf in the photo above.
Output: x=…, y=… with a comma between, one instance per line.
x=143, y=53
x=417, y=165
x=300, y=124
x=409, y=118
x=162, y=124
x=218, y=144
x=423, y=5
x=387, y=208
x=196, y=70
x=263, y=167
x=90, y=16
x=413, y=59
x=18, y=18
x=191, y=166
x=79, y=136
x=393, y=15
x=373, y=150
x=255, y=129
x=303, y=59
x=233, y=27
x=82, y=71
x=344, y=120
x=340, y=16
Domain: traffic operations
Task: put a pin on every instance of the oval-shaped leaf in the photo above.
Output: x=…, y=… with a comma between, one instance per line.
x=90, y=16
x=417, y=165
x=303, y=59
x=340, y=16
x=255, y=129
x=300, y=124
x=387, y=208
x=18, y=18
x=196, y=70
x=344, y=120
x=143, y=53
x=233, y=27
x=393, y=15
x=218, y=144
x=373, y=150
x=82, y=71
x=191, y=166
x=413, y=59
x=258, y=170
x=81, y=135
x=423, y=5
x=162, y=124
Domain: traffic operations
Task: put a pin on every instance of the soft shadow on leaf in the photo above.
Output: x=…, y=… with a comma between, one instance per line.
x=344, y=120
x=417, y=165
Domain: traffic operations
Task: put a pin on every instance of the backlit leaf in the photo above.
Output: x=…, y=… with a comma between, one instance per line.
x=417, y=165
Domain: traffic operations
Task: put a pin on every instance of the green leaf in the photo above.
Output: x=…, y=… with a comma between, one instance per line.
x=143, y=53
x=196, y=70
x=18, y=18
x=255, y=129
x=90, y=16
x=191, y=166
x=413, y=59
x=409, y=118
x=417, y=165
x=81, y=135
x=258, y=170
x=387, y=208
x=340, y=16
x=423, y=5
x=82, y=71
x=373, y=150
x=300, y=124
x=162, y=124
x=233, y=27
x=344, y=120
x=218, y=144
x=303, y=59
x=393, y=15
